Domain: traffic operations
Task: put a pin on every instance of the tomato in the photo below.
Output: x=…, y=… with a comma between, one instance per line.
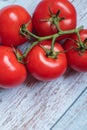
x=11, y=19
x=77, y=58
x=45, y=68
x=12, y=73
x=42, y=17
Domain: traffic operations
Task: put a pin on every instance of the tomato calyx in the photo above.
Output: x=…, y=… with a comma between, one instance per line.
x=50, y=53
x=82, y=48
x=24, y=30
x=54, y=19
x=81, y=45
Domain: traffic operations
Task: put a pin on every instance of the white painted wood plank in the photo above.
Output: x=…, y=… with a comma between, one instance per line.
x=76, y=117
x=38, y=105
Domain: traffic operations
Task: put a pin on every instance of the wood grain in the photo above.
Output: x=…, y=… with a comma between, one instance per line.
x=76, y=116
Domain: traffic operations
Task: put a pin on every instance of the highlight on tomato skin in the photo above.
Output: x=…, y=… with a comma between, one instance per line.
x=43, y=67
x=11, y=19
x=12, y=73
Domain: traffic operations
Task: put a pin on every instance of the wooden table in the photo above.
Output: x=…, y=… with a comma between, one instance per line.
x=57, y=105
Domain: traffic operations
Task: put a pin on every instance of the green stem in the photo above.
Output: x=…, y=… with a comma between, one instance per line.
x=28, y=34
x=79, y=40
x=71, y=31
x=29, y=49
x=32, y=35
x=57, y=26
x=53, y=42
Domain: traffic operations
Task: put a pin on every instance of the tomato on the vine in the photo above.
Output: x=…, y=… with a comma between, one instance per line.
x=12, y=73
x=49, y=12
x=42, y=66
x=77, y=53
x=11, y=19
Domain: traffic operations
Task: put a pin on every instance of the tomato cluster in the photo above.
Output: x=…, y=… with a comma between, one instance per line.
x=46, y=59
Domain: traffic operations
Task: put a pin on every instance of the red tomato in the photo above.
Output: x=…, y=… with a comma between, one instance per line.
x=42, y=13
x=77, y=59
x=11, y=19
x=45, y=68
x=12, y=72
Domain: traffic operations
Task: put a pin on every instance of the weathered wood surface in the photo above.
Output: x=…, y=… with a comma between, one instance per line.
x=57, y=105
x=75, y=117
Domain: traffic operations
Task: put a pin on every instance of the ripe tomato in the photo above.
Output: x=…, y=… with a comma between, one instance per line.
x=42, y=20
x=77, y=58
x=11, y=19
x=45, y=68
x=12, y=72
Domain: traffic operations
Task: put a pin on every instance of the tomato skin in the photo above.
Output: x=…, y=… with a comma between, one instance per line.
x=11, y=19
x=44, y=68
x=12, y=73
x=76, y=59
x=41, y=13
